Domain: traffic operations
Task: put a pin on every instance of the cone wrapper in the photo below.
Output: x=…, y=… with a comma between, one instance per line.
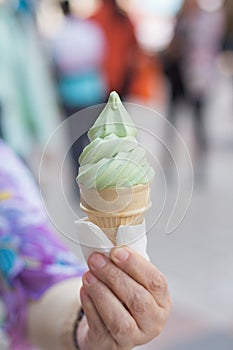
x=93, y=239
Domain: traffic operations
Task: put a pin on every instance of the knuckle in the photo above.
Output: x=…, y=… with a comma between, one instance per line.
x=113, y=276
x=155, y=328
x=160, y=322
x=140, y=303
x=122, y=330
x=158, y=284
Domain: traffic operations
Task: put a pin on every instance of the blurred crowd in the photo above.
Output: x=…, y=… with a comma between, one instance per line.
x=58, y=57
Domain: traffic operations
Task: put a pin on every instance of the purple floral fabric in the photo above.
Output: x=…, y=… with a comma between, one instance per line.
x=31, y=256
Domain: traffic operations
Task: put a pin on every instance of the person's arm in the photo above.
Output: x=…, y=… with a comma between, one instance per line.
x=51, y=319
x=39, y=276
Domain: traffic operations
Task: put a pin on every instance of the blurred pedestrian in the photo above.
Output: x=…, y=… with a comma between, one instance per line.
x=29, y=111
x=121, y=58
x=190, y=62
x=228, y=30
x=77, y=51
x=226, y=57
x=77, y=54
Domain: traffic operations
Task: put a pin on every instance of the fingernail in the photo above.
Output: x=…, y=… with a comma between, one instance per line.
x=90, y=278
x=120, y=254
x=97, y=261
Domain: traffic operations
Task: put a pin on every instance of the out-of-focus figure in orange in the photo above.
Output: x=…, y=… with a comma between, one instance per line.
x=122, y=48
x=129, y=70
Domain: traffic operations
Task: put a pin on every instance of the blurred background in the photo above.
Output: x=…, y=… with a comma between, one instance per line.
x=58, y=57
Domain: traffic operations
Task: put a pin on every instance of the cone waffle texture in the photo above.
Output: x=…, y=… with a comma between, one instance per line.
x=111, y=207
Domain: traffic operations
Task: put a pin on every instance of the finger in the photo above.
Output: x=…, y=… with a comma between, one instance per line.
x=114, y=315
x=140, y=303
x=143, y=272
x=95, y=323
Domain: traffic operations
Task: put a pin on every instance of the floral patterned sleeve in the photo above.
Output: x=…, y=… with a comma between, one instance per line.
x=31, y=256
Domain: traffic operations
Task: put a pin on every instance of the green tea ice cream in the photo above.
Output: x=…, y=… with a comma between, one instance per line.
x=114, y=175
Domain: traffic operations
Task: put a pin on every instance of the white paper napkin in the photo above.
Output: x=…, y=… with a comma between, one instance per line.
x=92, y=238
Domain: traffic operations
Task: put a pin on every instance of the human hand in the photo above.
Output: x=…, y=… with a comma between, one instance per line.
x=126, y=301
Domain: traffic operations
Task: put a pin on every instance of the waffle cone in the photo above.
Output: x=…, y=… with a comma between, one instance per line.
x=111, y=207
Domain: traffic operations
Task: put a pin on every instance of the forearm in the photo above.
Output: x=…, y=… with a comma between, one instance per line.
x=51, y=319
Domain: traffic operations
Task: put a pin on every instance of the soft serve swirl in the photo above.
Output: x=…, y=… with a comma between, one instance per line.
x=113, y=158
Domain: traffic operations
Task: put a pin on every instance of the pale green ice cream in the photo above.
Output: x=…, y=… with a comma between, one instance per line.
x=113, y=158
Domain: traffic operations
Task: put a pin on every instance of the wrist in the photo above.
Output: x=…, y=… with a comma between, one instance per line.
x=51, y=319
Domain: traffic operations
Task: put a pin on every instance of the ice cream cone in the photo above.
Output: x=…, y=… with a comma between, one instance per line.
x=114, y=175
x=111, y=207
